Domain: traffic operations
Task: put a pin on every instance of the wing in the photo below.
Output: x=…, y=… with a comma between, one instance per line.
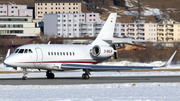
x=106, y=68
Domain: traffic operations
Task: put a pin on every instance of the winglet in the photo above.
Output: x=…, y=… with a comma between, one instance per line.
x=169, y=61
x=8, y=53
x=49, y=42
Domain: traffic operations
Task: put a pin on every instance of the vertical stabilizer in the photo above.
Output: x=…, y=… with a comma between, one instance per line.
x=106, y=31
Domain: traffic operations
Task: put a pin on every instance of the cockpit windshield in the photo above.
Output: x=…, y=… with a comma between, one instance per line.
x=23, y=51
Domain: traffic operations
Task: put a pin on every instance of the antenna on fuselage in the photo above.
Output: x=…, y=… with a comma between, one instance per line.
x=49, y=42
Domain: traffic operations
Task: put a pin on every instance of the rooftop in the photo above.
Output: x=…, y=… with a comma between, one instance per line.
x=54, y=1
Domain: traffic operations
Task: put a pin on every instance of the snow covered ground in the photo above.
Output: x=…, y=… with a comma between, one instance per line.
x=94, y=92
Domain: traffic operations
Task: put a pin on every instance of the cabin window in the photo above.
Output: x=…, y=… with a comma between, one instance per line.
x=57, y=53
x=54, y=53
x=16, y=50
x=48, y=53
x=21, y=51
x=61, y=53
x=51, y=53
x=73, y=53
x=26, y=50
x=67, y=53
x=70, y=53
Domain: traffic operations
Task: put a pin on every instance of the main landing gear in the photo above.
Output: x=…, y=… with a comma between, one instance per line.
x=49, y=74
x=24, y=73
x=86, y=74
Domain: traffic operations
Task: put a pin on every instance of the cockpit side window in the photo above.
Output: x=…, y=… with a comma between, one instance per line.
x=21, y=51
x=30, y=51
x=17, y=51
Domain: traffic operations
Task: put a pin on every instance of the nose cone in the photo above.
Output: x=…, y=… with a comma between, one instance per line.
x=8, y=61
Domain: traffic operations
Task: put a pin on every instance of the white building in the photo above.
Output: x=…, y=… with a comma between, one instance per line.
x=74, y=25
x=19, y=26
x=15, y=10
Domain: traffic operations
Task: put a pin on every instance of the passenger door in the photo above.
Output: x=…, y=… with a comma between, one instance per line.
x=39, y=56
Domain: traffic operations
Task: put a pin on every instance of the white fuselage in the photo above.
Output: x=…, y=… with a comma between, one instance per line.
x=51, y=56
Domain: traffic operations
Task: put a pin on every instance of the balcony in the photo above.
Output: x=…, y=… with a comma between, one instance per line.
x=160, y=32
x=170, y=27
x=170, y=31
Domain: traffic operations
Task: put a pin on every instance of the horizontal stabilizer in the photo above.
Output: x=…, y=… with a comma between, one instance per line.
x=123, y=40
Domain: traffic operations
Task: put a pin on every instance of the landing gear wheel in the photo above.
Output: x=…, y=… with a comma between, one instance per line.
x=50, y=76
x=24, y=77
x=24, y=73
x=85, y=76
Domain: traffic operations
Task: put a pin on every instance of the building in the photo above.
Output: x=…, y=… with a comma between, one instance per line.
x=19, y=26
x=169, y=31
x=74, y=25
x=140, y=30
x=56, y=6
x=15, y=10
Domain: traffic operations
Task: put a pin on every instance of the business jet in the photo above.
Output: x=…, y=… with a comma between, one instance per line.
x=59, y=57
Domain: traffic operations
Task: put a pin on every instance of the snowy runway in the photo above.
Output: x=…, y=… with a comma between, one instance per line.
x=157, y=91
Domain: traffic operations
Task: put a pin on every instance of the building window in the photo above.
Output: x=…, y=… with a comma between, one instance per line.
x=45, y=3
x=51, y=3
x=51, y=7
x=63, y=3
x=73, y=3
x=69, y=7
x=73, y=7
x=63, y=7
x=76, y=7
x=76, y=3
x=69, y=3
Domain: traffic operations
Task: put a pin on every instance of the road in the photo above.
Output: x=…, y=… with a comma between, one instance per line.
x=92, y=80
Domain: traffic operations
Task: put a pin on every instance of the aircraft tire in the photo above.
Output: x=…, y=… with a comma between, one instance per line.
x=24, y=77
x=85, y=76
x=50, y=76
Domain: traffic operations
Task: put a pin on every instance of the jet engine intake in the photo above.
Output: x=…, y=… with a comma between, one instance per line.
x=102, y=51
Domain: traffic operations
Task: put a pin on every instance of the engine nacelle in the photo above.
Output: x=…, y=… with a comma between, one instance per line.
x=102, y=51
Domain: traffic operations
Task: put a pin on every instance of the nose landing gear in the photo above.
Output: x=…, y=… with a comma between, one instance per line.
x=24, y=74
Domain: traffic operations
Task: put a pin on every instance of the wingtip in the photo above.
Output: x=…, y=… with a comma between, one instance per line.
x=169, y=61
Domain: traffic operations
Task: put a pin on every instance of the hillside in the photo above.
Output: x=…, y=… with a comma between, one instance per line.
x=152, y=9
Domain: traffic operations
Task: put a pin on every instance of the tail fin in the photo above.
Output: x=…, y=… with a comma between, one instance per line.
x=106, y=31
